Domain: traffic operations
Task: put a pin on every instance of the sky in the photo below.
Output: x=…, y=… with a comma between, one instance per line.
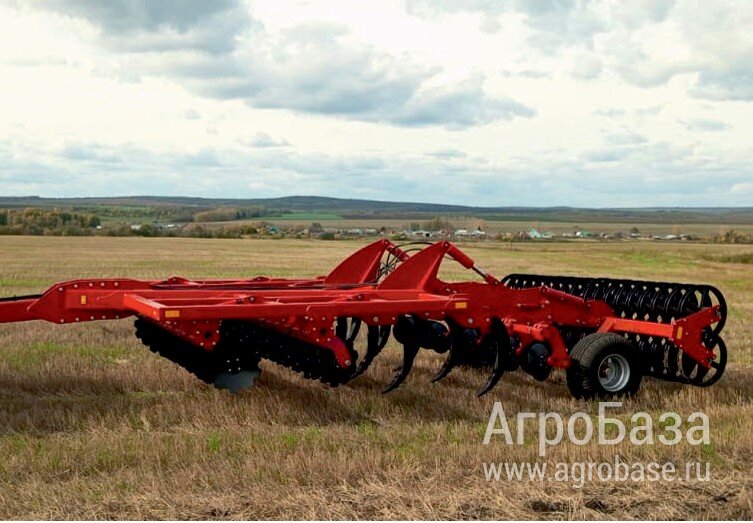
x=473, y=102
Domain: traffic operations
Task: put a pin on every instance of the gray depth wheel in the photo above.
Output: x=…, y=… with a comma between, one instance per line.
x=614, y=372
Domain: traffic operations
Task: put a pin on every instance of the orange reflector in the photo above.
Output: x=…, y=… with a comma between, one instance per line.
x=83, y=299
x=172, y=314
x=461, y=305
x=679, y=333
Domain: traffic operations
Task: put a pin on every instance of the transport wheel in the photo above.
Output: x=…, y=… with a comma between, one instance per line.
x=604, y=365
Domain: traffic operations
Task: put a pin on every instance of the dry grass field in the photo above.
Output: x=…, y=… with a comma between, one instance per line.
x=501, y=226
x=93, y=425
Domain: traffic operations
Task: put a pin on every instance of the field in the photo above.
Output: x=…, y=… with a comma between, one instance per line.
x=92, y=425
x=702, y=230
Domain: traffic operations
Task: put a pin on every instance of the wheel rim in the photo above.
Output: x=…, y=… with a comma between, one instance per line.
x=614, y=372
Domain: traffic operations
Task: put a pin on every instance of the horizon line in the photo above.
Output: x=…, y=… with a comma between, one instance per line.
x=259, y=198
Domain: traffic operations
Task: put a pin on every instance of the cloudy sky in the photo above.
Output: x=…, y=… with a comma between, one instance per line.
x=479, y=102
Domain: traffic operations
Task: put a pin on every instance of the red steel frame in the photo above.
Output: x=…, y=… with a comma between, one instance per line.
x=307, y=309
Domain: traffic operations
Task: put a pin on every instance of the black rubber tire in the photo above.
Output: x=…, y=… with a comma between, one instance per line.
x=588, y=354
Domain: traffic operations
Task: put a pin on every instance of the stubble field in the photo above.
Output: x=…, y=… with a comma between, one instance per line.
x=93, y=425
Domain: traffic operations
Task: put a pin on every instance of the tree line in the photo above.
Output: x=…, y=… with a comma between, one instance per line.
x=47, y=222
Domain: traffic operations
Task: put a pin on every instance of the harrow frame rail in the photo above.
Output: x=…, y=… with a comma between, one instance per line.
x=309, y=309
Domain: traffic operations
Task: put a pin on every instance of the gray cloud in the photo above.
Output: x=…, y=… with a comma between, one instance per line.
x=447, y=154
x=720, y=51
x=651, y=110
x=706, y=125
x=634, y=151
x=720, y=37
x=527, y=73
x=636, y=66
x=127, y=16
x=459, y=106
x=714, y=81
x=91, y=152
x=262, y=139
x=161, y=25
x=555, y=23
x=311, y=69
x=734, y=84
x=559, y=23
x=605, y=156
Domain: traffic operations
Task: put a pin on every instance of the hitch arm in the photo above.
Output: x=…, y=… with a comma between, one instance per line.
x=17, y=309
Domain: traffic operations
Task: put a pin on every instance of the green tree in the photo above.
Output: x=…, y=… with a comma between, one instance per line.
x=147, y=230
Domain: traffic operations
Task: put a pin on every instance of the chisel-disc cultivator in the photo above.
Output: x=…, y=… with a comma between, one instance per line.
x=605, y=333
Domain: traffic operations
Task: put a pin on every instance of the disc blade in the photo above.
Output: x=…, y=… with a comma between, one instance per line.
x=238, y=381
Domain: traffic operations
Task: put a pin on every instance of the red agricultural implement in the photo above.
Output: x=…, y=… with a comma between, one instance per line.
x=606, y=333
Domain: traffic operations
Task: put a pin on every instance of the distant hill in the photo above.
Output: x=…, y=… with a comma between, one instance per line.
x=365, y=209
